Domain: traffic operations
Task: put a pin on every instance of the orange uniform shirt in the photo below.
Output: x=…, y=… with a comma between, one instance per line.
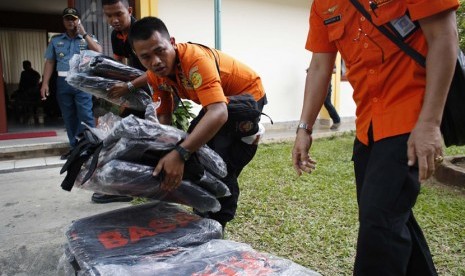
x=197, y=79
x=389, y=86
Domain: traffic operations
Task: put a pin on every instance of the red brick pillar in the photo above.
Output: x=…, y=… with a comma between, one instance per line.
x=3, y=124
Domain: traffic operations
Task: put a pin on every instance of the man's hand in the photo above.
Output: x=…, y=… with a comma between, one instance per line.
x=118, y=90
x=300, y=158
x=79, y=28
x=173, y=167
x=425, y=148
x=44, y=92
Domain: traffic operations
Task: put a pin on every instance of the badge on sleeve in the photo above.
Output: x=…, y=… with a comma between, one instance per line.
x=195, y=77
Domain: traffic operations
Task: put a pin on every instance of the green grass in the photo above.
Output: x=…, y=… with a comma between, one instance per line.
x=312, y=220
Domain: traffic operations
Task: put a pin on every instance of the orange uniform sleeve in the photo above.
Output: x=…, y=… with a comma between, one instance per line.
x=318, y=38
x=206, y=81
x=423, y=8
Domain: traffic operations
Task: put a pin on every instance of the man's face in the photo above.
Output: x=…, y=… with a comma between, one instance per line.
x=157, y=54
x=70, y=23
x=118, y=16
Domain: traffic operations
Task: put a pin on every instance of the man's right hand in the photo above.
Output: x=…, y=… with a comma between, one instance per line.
x=44, y=92
x=118, y=90
x=300, y=157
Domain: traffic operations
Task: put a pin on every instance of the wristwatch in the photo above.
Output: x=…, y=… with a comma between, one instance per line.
x=305, y=126
x=131, y=87
x=184, y=153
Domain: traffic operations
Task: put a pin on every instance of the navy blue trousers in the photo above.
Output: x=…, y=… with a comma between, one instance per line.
x=330, y=107
x=76, y=107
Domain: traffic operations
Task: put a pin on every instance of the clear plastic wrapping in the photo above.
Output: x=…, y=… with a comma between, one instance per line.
x=94, y=63
x=94, y=73
x=125, y=178
x=216, y=257
x=132, y=131
x=119, y=155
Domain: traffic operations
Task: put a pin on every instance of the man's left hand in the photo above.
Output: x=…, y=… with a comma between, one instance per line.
x=425, y=148
x=118, y=90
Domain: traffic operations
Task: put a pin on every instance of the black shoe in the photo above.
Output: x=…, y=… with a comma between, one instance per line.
x=65, y=156
x=102, y=198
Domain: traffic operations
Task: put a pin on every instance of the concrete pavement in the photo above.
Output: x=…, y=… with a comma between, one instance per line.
x=36, y=211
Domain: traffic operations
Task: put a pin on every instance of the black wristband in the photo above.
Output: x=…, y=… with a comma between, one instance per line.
x=84, y=36
x=184, y=153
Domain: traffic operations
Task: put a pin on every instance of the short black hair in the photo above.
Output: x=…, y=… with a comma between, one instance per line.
x=27, y=64
x=144, y=28
x=112, y=2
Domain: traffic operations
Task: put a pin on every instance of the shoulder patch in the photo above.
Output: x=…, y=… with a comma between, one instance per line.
x=195, y=77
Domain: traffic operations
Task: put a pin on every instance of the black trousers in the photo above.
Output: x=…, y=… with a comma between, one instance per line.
x=390, y=242
x=236, y=154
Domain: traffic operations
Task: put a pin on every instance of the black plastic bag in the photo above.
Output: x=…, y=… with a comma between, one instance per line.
x=453, y=118
x=126, y=236
x=243, y=115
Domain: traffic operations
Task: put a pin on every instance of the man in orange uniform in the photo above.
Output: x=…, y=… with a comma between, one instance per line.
x=205, y=76
x=399, y=111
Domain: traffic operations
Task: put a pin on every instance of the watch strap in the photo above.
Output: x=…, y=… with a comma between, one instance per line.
x=305, y=126
x=131, y=87
x=184, y=153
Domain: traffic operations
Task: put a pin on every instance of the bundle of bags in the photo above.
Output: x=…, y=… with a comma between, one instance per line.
x=118, y=157
x=95, y=73
x=160, y=238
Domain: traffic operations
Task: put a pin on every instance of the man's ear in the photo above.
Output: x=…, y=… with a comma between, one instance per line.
x=130, y=10
x=173, y=42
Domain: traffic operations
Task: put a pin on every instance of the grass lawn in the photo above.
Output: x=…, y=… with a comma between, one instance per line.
x=312, y=220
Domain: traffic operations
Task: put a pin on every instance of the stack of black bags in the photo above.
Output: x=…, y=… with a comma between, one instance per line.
x=119, y=155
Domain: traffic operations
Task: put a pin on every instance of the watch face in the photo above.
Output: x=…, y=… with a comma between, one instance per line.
x=304, y=126
x=185, y=154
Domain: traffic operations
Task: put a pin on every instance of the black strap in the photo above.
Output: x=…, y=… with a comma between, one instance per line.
x=88, y=146
x=419, y=58
x=213, y=53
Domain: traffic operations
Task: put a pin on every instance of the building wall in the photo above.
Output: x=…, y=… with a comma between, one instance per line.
x=267, y=35
x=19, y=20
